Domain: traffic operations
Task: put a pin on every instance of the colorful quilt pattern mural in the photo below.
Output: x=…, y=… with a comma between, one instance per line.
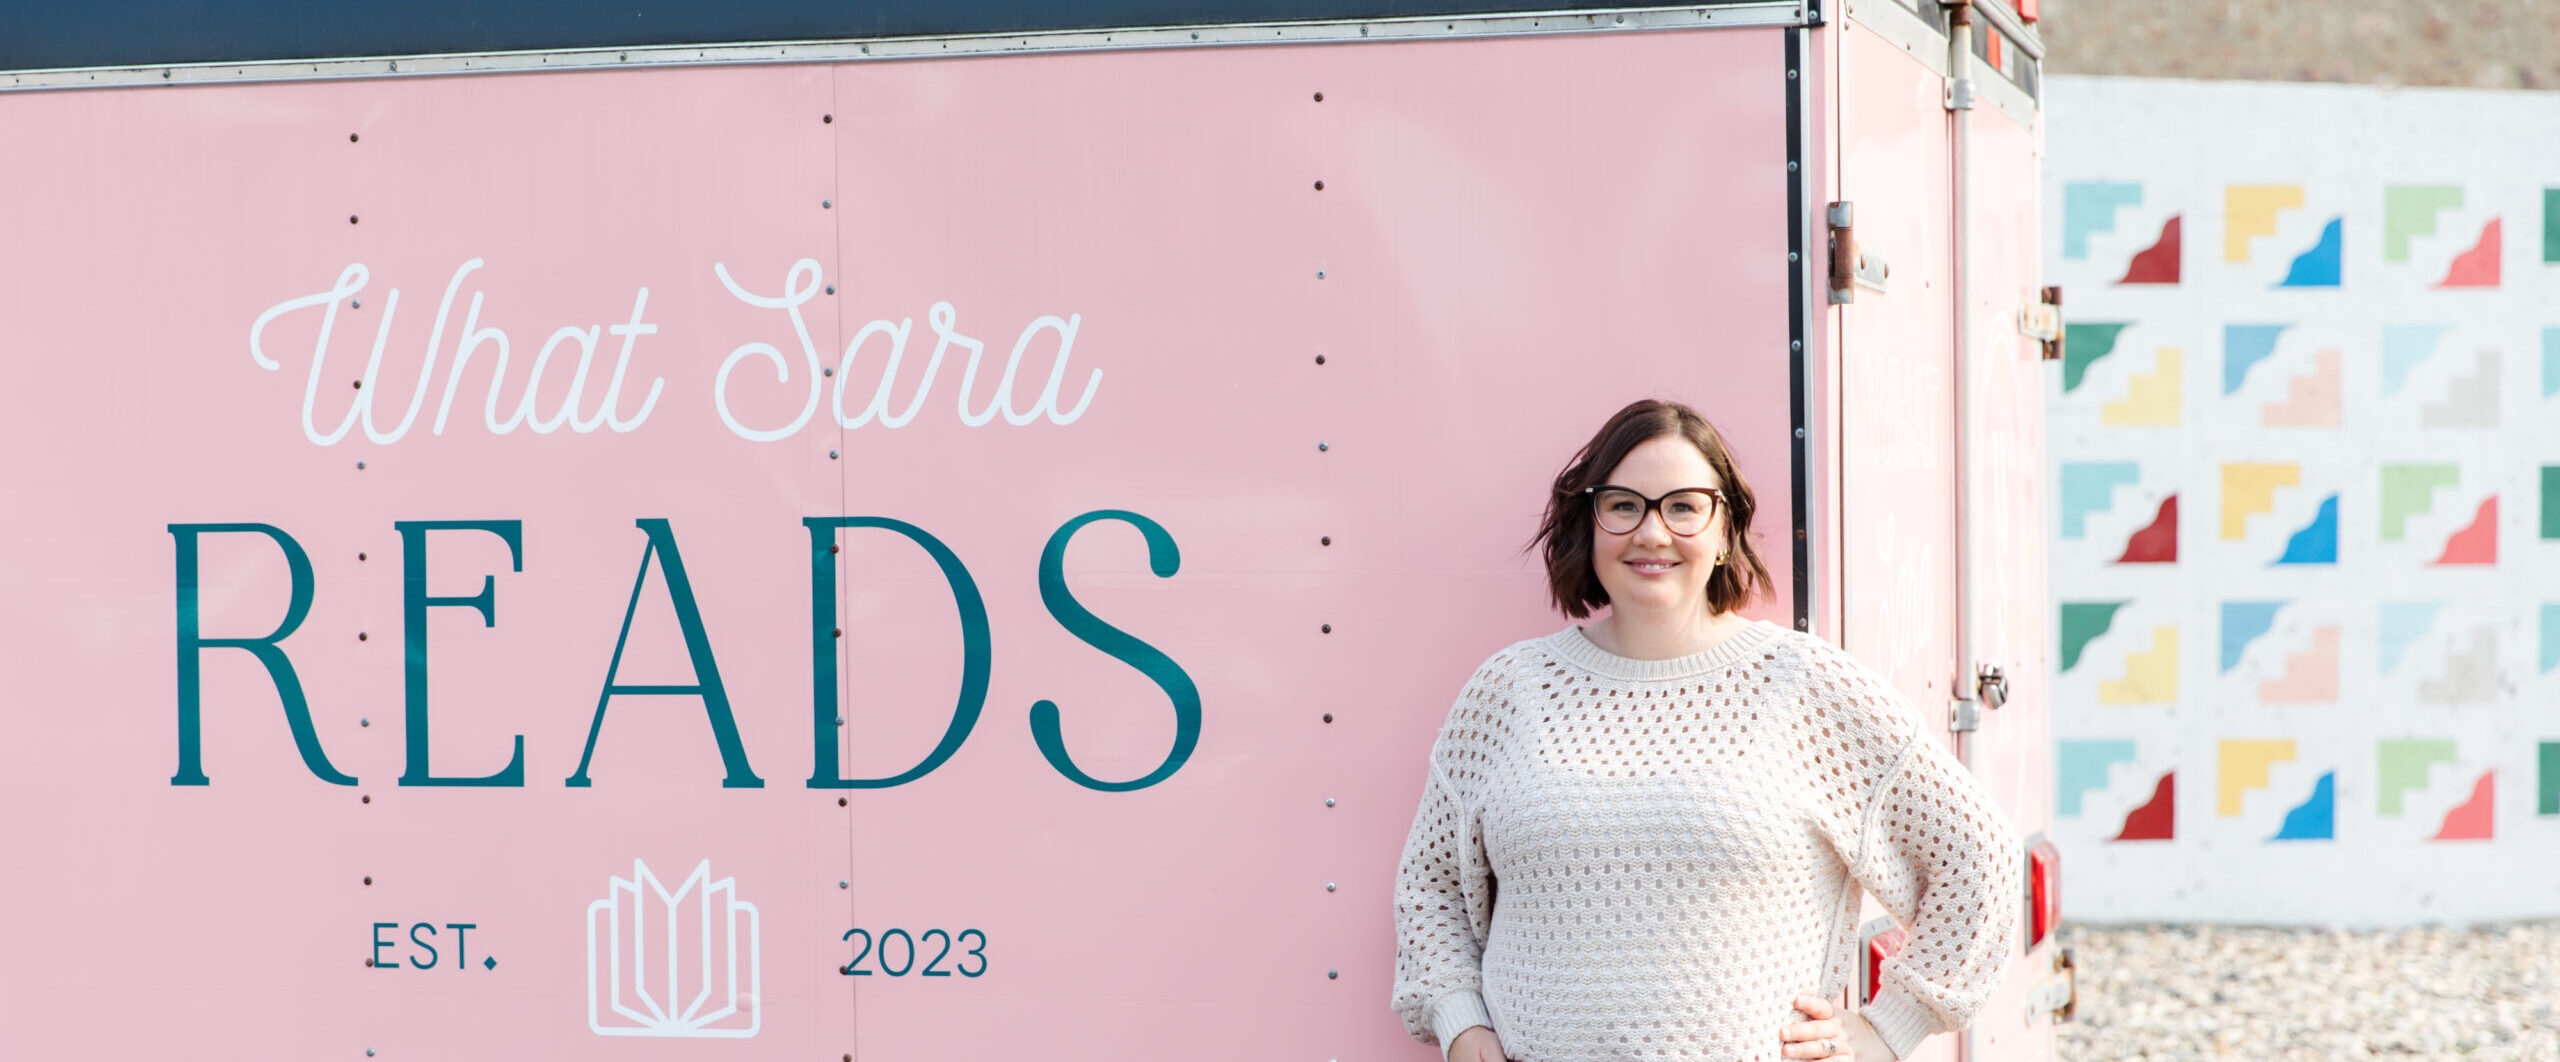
x=2306, y=453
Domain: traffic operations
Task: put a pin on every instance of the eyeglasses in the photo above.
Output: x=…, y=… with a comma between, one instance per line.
x=1685, y=512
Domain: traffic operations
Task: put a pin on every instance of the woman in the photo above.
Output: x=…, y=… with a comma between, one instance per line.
x=1645, y=838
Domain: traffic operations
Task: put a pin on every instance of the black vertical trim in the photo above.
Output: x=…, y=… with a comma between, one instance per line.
x=1798, y=260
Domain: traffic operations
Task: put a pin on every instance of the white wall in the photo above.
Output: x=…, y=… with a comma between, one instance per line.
x=2359, y=708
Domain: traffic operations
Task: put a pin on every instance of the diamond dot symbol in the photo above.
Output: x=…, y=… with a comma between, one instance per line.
x=489, y=964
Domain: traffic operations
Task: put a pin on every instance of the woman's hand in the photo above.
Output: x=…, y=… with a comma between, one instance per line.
x=1846, y=1037
x=1477, y=1044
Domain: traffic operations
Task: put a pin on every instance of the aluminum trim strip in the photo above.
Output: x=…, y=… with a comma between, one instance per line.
x=2005, y=97
x=1782, y=13
x=1902, y=29
x=2000, y=16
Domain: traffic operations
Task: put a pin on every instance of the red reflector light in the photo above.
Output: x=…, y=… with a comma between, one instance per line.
x=2026, y=10
x=1880, y=947
x=2044, y=891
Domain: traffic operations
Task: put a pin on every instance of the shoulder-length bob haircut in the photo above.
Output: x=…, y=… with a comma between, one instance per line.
x=1564, y=536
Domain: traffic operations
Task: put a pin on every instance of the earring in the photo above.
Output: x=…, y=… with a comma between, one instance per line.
x=1720, y=556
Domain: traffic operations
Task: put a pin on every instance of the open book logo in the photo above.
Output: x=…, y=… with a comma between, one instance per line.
x=687, y=962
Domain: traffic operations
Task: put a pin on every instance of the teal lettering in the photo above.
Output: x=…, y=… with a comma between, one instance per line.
x=423, y=945
x=1164, y=558
x=192, y=643
x=461, y=952
x=706, y=671
x=976, y=653
x=414, y=603
x=379, y=963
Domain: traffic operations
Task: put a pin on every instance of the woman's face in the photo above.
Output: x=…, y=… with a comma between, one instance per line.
x=1649, y=569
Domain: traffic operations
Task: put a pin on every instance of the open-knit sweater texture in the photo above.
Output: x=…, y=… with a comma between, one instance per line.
x=1650, y=859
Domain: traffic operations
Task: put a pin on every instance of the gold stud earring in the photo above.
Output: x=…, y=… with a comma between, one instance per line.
x=1720, y=556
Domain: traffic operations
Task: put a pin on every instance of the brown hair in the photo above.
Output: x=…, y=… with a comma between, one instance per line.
x=1564, y=535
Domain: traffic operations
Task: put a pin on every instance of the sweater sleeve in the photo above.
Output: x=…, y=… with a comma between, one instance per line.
x=1444, y=884
x=1932, y=846
x=1443, y=908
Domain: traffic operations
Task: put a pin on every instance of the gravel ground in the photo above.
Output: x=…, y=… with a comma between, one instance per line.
x=2174, y=992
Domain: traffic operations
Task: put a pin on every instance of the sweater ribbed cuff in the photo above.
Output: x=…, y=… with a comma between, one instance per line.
x=1899, y=1019
x=1455, y=1013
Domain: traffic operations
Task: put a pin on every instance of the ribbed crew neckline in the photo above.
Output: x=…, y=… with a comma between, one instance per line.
x=1578, y=649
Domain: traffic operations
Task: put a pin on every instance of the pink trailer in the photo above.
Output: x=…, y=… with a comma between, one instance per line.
x=938, y=539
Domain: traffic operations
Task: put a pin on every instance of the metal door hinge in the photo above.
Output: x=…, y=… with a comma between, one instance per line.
x=2057, y=996
x=1851, y=268
x=2041, y=321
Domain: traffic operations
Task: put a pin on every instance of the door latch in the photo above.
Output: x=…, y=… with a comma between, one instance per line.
x=1991, y=686
x=1990, y=691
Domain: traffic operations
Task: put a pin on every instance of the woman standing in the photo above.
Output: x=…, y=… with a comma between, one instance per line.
x=1645, y=838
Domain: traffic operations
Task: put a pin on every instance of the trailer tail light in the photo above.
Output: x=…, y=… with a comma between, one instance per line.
x=2044, y=891
x=1881, y=945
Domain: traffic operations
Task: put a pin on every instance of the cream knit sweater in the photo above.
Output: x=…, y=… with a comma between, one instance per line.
x=1650, y=859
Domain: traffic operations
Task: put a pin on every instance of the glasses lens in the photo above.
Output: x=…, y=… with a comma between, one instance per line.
x=1618, y=511
x=1688, y=511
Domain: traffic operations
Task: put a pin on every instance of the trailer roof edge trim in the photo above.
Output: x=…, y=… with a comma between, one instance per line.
x=1781, y=13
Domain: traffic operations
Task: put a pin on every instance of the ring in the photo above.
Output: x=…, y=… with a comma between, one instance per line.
x=1829, y=1049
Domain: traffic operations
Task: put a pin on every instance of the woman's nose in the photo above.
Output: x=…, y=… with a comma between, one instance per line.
x=1656, y=527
